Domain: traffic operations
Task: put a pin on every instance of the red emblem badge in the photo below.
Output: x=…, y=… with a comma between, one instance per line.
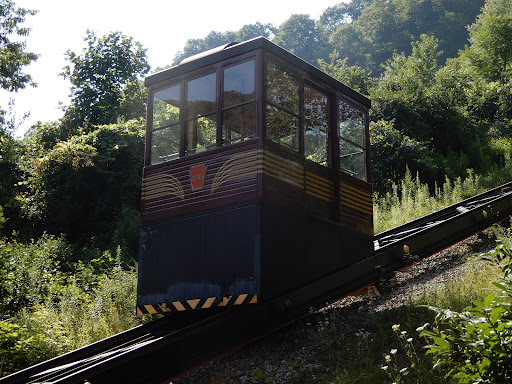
x=197, y=175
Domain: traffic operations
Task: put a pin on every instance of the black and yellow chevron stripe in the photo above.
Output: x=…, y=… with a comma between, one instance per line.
x=187, y=305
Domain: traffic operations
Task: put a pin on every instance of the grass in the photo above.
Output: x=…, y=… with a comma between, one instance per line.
x=459, y=293
x=352, y=345
x=386, y=347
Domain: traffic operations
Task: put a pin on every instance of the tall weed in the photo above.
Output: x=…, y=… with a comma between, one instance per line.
x=52, y=311
x=413, y=199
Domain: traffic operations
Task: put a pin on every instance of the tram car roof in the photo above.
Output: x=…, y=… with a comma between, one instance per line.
x=235, y=49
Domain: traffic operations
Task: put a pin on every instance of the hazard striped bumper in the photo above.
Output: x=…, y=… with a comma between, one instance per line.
x=187, y=305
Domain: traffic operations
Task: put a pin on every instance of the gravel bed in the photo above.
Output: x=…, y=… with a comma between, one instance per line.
x=292, y=354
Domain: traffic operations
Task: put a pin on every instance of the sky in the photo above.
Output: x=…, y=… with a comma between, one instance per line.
x=161, y=26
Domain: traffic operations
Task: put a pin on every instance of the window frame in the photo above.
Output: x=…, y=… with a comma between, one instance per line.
x=330, y=119
x=366, y=136
x=184, y=79
x=220, y=102
x=304, y=79
x=299, y=73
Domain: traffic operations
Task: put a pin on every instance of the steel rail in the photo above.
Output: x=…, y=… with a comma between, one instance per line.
x=168, y=347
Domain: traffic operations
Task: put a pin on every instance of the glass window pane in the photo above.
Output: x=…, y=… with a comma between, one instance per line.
x=352, y=123
x=282, y=88
x=165, y=144
x=201, y=93
x=239, y=83
x=200, y=134
x=352, y=159
x=166, y=107
x=316, y=119
x=239, y=124
x=282, y=127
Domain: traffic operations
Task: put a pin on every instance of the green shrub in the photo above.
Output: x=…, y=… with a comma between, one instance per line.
x=475, y=346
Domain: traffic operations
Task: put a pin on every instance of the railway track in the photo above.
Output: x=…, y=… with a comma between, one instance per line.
x=165, y=348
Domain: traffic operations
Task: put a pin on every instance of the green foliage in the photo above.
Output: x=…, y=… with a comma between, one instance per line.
x=416, y=369
x=490, y=37
x=13, y=54
x=393, y=153
x=28, y=270
x=216, y=39
x=82, y=186
x=474, y=345
x=19, y=347
x=380, y=28
x=100, y=79
x=11, y=176
x=355, y=77
x=456, y=294
x=429, y=104
x=50, y=306
x=489, y=56
x=412, y=199
x=298, y=35
x=404, y=91
x=2, y=217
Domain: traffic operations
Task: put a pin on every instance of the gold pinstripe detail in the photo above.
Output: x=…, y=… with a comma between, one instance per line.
x=257, y=162
x=161, y=185
x=356, y=199
x=319, y=187
x=284, y=170
x=350, y=188
x=263, y=162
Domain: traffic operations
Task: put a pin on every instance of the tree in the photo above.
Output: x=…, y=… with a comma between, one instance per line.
x=300, y=36
x=13, y=54
x=99, y=79
x=351, y=43
x=250, y=31
x=13, y=58
x=429, y=105
x=85, y=187
x=490, y=57
x=490, y=37
x=378, y=28
x=216, y=39
x=403, y=91
x=393, y=153
x=354, y=76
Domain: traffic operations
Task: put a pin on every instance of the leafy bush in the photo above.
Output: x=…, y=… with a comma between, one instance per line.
x=393, y=152
x=50, y=306
x=475, y=346
x=30, y=269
